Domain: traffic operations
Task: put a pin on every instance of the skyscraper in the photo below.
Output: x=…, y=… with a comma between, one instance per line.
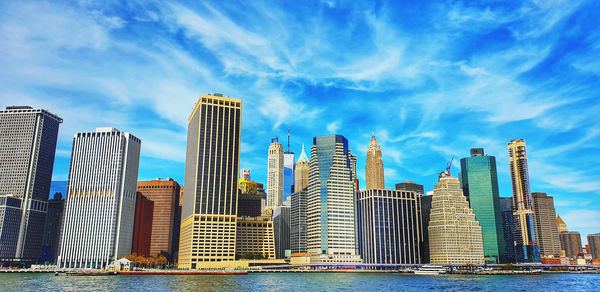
x=165, y=195
x=389, y=226
x=454, y=235
x=249, y=199
x=508, y=226
x=281, y=230
x=298, y=222
x=594, y=243
x=275, y=175
x=570, y=242
x=209, y=209
x=52, y=230
x=289, y=170
x=545, y=224
x=100, y=205
x=561, y=225
x=527, y=249
x=302, y=167
x=331, y=201
x=425, y=210
x=374, y=167
x=27, y=147
x=479, y=181
x=142, y=226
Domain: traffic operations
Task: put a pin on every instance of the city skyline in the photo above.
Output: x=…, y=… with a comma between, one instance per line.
x=522, y=82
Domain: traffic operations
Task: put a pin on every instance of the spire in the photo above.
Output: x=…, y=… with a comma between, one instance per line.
x=373, y=139
x=302, y=155
x=288, y=150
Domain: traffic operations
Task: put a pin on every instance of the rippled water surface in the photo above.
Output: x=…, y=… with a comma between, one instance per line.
x=299, y=282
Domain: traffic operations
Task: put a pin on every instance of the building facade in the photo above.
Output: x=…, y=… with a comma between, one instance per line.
x=526, y=248
x=255, y=236
x=594, y=243
x=142, y=226
x=99, y=211
x=570, y=242
x=545, y=224
x=52, y=229
x=374, y=167
x=281, y=229
x=331, y=201
x=479, y=182
x=165, y=195
x=27, y=147
x=389, y=226
x=455, y=236
x=298, y=222
x=249, y=199
x=508, y=226
x=275, y=175
x=301, y=174
x=425, y=217
x=209, y=209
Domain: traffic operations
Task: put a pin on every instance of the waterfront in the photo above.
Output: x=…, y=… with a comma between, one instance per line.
x=300, y=281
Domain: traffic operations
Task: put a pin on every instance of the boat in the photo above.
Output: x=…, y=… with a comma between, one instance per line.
x=430, y=270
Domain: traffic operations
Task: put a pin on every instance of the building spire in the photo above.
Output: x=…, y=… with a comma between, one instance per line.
x=288, y=149
x=303, y=156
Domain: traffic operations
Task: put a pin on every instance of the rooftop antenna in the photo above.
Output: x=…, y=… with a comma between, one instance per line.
x=449, y=165
x=276, y=139
x=288, y=139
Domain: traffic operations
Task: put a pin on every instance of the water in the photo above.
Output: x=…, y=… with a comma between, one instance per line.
x=301, y=282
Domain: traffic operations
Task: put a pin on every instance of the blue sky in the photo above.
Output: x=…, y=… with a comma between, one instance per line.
x=432, y=79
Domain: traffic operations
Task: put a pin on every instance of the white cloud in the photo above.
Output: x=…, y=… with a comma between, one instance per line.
x=333, y=127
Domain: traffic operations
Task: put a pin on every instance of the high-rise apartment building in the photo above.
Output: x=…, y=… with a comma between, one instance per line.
x=27, y=147
x=100, y=204
x=142, y=226
x=298, y=222
x=508, y=226
x=374, y=167
x=52, y=230
x=570, y=242
x=479, y=181
x=545, y=224
x=527, y=249
x=454, y=235
x=594, y=243
x=209, y=209
x=165, y=195
x=331, y=201
x=281, y=230
x=301, y=174
x=389, y=226
x=275, y=175
x=255, y=235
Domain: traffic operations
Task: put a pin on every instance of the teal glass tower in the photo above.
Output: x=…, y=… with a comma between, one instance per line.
x=479, y=181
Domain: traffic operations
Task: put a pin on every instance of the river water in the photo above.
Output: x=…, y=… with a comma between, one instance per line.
x=301, y=282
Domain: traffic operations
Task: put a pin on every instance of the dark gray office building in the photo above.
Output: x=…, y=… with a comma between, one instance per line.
x=506, y=211
x=298, y=222
x=281, y=230
x=56, y=207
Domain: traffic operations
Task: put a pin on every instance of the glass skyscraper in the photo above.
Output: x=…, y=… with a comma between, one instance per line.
x=479, y=181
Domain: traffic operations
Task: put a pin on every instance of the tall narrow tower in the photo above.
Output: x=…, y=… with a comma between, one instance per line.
x=289, y=169
x=527, y=249
x=302, y=167
x=374, y=167
x=209, y=209
x=275, y=175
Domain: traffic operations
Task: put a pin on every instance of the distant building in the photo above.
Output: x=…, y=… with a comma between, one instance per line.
x=508, y=224
x=165, y=195
x=331, y=202
x=389, y=226
x=289, y=170
x=454, y=235
x=249, y=198
x=301, y=174
x=100, y=204
x=281, y=229
x=255, y=236
x=275, y=175
x=298, y=222
x=27, y=147
x=209, y=209
x=479, y=182
x=374, y=167
x=410, y=186
x=561, y=225
x=594, y=243
x=527, y=249
x=142, y=227
x=570, y=242
x=545, y=224
x=52, y=229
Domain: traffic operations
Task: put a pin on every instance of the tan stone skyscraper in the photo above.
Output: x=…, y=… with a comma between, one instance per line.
x=275, y=175
x=302, y=167
x=455, y=237
x=562, y=226
x=374, y=167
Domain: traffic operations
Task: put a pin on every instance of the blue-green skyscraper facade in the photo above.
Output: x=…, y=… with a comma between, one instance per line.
x=479, y=180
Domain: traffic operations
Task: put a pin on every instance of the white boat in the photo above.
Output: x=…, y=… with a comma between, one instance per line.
x=430, y=270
